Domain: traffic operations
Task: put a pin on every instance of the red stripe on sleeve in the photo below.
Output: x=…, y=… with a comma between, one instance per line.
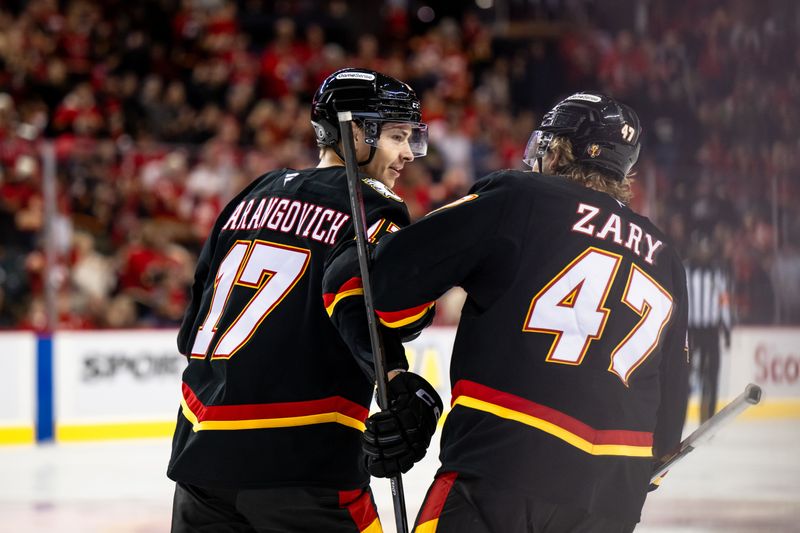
x=328, y=298
x=391, y=317
x=350, y=284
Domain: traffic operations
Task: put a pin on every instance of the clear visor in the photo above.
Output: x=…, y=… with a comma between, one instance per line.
x=402, y=137
x=537, y=147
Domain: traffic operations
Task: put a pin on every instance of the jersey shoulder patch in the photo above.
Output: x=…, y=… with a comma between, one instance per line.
x=382, y=189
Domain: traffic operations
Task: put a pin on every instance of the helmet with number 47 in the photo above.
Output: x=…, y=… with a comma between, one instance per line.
x=604, y=133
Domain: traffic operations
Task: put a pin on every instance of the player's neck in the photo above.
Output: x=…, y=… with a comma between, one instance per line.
x=330, y=159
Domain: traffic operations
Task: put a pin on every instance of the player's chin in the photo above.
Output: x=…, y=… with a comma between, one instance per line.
x=390, y=176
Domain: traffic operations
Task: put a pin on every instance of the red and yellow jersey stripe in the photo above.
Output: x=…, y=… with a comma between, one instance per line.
x=570, y=430
x=362, y=510
x=351, y=287
x=432, y=507
x=398, y=319
x=334, y=409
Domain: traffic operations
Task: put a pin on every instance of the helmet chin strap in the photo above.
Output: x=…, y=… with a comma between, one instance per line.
x=372, y=151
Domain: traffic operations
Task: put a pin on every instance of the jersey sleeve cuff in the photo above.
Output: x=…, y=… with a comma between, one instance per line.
x=398, y=319
x=352, y=287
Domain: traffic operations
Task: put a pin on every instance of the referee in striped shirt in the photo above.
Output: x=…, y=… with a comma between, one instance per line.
x=709, y=284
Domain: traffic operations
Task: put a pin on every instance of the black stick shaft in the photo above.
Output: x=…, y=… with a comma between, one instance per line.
x=750, y=396
x=359, y=222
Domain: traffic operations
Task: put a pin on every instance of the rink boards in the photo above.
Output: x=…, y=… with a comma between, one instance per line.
x=97, y=385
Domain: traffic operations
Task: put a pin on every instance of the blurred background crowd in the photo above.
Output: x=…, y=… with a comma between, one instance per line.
x=151, y=115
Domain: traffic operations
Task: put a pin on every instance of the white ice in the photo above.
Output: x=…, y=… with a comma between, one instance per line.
x=746, y=480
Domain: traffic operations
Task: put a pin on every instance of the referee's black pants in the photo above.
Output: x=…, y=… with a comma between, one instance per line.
x=705, y=343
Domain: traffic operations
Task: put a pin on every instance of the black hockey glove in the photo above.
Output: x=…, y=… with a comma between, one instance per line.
x=397, y=438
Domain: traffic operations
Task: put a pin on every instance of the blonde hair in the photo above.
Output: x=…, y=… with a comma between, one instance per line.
x=564, y=164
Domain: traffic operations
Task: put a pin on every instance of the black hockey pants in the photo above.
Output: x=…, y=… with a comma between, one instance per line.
x=275, y=510
x=458, y=504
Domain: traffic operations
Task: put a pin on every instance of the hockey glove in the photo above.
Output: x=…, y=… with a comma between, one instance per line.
x=398, y=437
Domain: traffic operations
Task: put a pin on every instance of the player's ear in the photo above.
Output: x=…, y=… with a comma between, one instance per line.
x=358, y=133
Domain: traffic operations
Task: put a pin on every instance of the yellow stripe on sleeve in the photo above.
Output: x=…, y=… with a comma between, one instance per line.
x=340, y=296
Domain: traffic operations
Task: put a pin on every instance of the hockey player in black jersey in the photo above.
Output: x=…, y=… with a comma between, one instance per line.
x=280, y=374
x=569, y=369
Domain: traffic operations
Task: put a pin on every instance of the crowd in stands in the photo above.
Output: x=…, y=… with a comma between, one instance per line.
x=156, y=112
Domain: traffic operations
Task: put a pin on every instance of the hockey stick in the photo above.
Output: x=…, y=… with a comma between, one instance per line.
x=359, y=221
x=750, y=396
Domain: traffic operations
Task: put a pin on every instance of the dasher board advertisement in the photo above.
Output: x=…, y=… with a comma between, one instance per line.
x=116, y=384
x=17, y=387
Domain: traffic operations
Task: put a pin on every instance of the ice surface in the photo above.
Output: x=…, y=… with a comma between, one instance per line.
x=745, y=480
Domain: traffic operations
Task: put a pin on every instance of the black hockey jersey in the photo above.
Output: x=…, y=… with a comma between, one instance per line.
x=273, y=394
x=569, y=371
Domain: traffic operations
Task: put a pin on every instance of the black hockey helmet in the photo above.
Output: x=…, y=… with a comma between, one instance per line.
x=373, y=98
x=604, y=133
